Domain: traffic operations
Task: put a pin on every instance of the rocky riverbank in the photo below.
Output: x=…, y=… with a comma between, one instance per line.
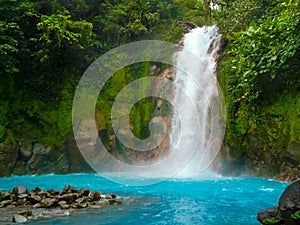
x=29, y=157
x=288, y=210
x=21, y=205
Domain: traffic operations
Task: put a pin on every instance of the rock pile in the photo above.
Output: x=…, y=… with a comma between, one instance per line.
x=288, y=210
x=21, y=205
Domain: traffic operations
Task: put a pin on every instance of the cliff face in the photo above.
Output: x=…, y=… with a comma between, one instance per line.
x=29, y=156
x=267, y=144
x=112, y=154
x=261, y=142
x=34, y=158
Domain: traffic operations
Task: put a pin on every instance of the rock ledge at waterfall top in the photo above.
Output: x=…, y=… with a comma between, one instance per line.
x=21, y=205
x=288, y=210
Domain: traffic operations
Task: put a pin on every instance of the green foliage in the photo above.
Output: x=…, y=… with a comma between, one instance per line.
x=260, y=79
x=58, y=31
x=192, y=11
x=296, y=215
x=257, y=54
x=140, y=116
x=11, y=47
x=236, y=15
x=45, y=46
x=141, y=113
x=109, y=92
x=130, y=20
x=50, y=43
x=175, y=31
x=64, y=117
x=2, y=133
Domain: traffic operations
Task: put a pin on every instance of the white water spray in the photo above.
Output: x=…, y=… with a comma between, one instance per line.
x=201, y=93
x=197, y=125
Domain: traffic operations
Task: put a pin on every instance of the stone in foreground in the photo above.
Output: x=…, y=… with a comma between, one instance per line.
x=288, y=210
x=21, y=206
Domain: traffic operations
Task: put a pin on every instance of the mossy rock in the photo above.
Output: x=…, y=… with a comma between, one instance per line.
x=8, y=157
x=271, y=221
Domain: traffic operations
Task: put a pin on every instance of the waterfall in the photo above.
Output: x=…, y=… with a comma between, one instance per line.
x=196, y=127
x=197, y=124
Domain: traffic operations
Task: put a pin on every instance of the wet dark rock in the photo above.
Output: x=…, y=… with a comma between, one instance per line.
x=84, y=192
x=25, y=212
x=20, y=168
x=5, y=203
x=188, y=26
x=54, y=192
x=34, y=198
x=13, y=197
x=288, y=210
x=74, y=206
x=111, y=196
x=38, y=159
x=76, y=162
x=43, y=194
x=6, y=219
x=269, y=214
x=4, y=195
x=8, y=215
x=82, y=200
x=62, y=202
x=63, y=205
x=291, y=194
x=37, y=163
x=49, y=213
x=114, y=201
x=41, y=149
x=20, y=190
x=17, y=202
x=69, y=189
x=19, y=218
x=37, y=205
x=21, y=196
x=48, y=202
x=95, y=195
x=22, y=201
x=21, y=206
x=26, y=148
x=8, y=158
x=289, y=203
x=35, y=190
x=108, y=196
x=28, y=157
x=69, y=197
x=82, y=205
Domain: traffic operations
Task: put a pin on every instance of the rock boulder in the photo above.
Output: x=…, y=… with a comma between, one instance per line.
x=19, y=190
x=21, y=206
x=288, y=210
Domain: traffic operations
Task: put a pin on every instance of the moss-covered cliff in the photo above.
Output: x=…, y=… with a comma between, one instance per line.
x=268, y=144
x=259, y=75
x=47, y=45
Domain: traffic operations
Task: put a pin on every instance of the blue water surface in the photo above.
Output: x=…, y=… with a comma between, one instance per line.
x=222, y=201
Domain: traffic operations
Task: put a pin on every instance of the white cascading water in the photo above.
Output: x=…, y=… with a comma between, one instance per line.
x=195, y=101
